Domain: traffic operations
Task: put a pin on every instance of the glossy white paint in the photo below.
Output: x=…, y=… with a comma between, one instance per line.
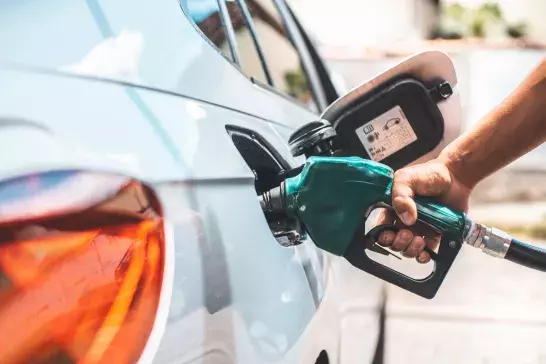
x=132, y=87
x=121, y=41
x=181, y=146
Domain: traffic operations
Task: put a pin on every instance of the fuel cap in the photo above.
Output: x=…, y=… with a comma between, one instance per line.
x=314, y=138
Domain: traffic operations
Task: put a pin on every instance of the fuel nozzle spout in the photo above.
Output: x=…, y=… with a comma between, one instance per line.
x=273, y=200
x=312, y=139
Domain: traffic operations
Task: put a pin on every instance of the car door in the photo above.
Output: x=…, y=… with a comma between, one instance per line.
x=359, y=298
x=261, y=49
x=153, y=94
x=275, y=54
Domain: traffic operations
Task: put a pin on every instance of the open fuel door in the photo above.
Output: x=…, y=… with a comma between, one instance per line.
x=405, y=115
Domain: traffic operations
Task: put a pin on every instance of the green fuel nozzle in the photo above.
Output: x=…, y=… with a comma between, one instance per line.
x=332, y=195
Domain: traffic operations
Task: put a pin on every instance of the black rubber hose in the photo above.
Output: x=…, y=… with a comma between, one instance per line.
x=527, y=255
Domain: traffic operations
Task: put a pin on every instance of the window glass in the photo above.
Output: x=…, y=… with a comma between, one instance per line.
x=282, y=58
x=206, y=15
x=251, y=64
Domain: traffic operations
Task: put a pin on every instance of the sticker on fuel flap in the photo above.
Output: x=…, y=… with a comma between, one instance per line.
x=386, y=134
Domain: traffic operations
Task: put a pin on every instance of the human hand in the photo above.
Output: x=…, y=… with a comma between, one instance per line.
x=434, y=179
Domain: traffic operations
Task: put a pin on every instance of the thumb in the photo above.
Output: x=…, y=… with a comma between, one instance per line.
x=429, y=179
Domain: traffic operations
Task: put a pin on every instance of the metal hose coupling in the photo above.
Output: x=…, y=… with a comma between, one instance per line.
x=491, y=241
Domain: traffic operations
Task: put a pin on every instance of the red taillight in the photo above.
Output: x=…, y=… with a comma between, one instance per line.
x=82, y=287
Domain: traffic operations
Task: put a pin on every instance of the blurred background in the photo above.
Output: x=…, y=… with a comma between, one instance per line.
x=488, y=311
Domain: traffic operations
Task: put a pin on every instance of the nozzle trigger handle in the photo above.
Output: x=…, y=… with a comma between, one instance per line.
x=448, y=222
x=374, y=233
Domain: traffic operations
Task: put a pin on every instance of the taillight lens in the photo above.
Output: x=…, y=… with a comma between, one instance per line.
x=81, y=286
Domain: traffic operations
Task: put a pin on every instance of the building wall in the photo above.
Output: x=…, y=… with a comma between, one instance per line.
x=365, y=22
x=532, y=11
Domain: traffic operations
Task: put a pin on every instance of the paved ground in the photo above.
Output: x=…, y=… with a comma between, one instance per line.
x=487, y=311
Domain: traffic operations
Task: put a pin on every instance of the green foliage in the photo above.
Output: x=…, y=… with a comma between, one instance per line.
x=477, y=27
x=297, y=83
x=465, y=21
x=518, y=30
x=456, y=11
x=447, y=34
x=536, y=230
x=488, y=13
x=491, y=10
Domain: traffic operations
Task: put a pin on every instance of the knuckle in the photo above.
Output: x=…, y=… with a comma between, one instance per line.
x=405, y=236
x=402, y=175
x=402, y=241
x=417, y=245
x=382, y=239
x=386, y=238
x=401, y=204
x=433, y=180
x=389, y=237
x=438, y=181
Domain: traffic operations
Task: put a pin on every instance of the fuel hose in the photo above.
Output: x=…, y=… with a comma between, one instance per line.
x=499, y=244
x=527, y=255
x=491, y=241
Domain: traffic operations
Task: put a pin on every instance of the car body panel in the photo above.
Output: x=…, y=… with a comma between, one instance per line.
x=254, y=287
x=163, y=51
x=107, y=86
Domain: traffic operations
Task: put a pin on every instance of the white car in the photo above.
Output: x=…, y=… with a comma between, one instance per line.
x=135, y=136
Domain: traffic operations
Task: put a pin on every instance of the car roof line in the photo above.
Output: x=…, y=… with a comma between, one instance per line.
x=40, y=70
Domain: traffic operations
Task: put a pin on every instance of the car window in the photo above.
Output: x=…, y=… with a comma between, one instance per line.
x=282, y=58
x=206, y=15
x=251, y=65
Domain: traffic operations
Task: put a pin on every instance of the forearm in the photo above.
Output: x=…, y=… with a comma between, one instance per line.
x=514, y=128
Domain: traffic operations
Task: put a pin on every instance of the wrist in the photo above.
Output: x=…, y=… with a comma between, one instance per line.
x=456, y=162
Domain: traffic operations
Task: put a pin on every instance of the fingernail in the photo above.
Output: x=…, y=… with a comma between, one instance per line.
x=406, y=218
x=421, y=258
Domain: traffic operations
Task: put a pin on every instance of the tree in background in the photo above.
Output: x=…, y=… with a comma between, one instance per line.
x=297, y=85
x=458, y=21
x=487, y=14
